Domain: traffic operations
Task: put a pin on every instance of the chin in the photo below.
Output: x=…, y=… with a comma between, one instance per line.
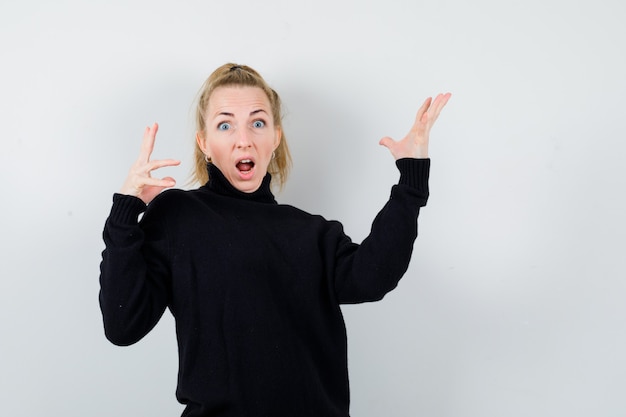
x=247, y=186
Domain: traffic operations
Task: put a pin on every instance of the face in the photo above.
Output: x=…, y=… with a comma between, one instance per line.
x=240, y=135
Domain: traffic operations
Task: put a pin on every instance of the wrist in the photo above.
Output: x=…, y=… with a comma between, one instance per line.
x=421, y=152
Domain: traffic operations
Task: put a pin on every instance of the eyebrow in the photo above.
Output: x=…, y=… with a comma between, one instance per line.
x=252, y=113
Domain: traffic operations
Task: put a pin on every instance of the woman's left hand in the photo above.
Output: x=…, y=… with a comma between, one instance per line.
x=415, y=143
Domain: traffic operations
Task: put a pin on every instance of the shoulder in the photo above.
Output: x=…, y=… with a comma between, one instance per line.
x=176, y=196
x=170, y=196
x=295, y=212
x=167, y=199
x=173, y=201
x=320, y=224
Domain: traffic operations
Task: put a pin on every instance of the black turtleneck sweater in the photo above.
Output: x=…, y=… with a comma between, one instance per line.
x=255, y=288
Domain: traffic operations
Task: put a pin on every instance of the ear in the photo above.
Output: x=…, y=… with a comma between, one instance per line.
x=277, y=137
x=201, y=141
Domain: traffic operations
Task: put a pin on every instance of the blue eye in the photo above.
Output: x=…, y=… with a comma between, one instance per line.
x=223, y=126
x=258, y=123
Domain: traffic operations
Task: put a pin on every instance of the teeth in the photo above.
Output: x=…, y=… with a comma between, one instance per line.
x=245, y=161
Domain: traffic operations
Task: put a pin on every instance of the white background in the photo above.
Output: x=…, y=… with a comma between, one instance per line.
x=514, y=304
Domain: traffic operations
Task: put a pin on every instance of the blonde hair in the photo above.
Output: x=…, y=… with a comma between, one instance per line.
x=229, y=75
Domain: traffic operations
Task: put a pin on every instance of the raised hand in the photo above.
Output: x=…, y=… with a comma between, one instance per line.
x=415, y=143
x=139, y=182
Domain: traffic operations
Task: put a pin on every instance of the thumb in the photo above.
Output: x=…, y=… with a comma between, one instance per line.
x=171, y=180
x=387, y=142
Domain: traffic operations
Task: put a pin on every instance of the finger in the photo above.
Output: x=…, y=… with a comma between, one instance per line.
x=161, y=163
x=433, y=112
x=144, y=169
x=440, y=103
x=156, y=182
x=147, y=144
x=422, y=110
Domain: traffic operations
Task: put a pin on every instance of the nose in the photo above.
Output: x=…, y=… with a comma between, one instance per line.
x=243, y=139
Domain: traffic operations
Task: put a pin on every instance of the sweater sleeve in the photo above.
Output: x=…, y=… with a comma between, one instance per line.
x=368, y=271
x=133, y=272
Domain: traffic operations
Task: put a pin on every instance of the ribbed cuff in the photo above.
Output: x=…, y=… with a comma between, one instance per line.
x=414, y=172
x=126, y=209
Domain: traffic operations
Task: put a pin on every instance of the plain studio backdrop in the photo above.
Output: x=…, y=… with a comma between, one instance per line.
x=514, y=301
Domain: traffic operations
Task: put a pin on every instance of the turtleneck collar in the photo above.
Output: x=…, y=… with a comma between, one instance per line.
x=220, y=185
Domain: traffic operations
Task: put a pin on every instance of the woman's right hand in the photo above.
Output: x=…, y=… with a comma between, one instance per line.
x=139, y=182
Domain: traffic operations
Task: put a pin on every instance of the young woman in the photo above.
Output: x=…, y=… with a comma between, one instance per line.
x=255, y=287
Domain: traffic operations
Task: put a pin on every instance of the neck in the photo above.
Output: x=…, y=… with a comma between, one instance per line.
x=219, y=184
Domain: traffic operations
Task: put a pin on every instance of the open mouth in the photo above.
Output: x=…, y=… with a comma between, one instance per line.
x=245, y=165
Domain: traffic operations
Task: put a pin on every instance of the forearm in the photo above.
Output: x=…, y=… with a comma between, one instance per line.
x=132, y=294
x=366, y=272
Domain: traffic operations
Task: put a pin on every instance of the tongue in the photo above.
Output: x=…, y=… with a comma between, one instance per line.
x=245, y=166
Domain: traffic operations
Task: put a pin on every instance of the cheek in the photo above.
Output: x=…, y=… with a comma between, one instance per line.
x=215, y=145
